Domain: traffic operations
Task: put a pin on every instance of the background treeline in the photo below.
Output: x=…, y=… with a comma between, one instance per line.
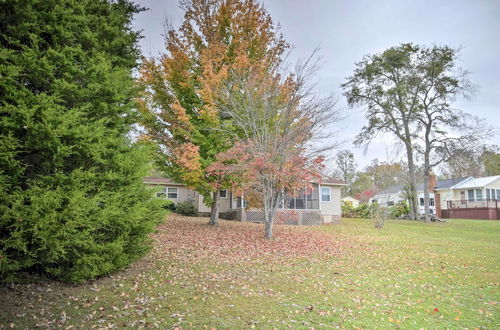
x=379, y=175
x=72, y=202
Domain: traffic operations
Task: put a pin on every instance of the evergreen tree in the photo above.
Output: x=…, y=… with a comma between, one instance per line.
x=72, y=202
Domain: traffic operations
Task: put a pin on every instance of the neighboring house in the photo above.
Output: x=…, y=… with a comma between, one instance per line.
x=471, y=198
x=396, y=194
x=351, y=201
x=321, y=204
x=468, y=198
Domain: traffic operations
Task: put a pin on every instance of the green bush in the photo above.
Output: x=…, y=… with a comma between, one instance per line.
x=364, y=210
x=185, y=208
x=167, y=204
x=399, y=209
x=72, y=202
x=348, y=211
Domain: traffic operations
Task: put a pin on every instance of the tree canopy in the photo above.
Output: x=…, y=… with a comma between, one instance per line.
x=181, y=104
x=72, y=201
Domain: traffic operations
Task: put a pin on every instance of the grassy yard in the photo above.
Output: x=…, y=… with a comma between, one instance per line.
x=407, y=275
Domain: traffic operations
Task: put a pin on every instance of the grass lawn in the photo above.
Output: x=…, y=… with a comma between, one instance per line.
x=407, y=275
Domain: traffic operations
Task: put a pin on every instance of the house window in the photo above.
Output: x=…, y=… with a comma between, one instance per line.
x=223, y=193
x=488, y=194
x=421, y=202
x=470, y=194
x=390, y=203
x=493, y=197
x=479, y=194
x=162, y=193
x=431, y=201
x=172, y=193
x=326, y=194
x=498, y=194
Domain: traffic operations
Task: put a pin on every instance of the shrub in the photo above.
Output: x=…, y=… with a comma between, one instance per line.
x=378, y=215
x=168, y=205
x=185, y=208
x=348, y=211
x=399, y=209
x=72, y=202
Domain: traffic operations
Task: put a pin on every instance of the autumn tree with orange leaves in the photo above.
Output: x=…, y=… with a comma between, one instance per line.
x=181, y=99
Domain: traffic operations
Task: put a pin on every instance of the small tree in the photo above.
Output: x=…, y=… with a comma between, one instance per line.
x=280, y=119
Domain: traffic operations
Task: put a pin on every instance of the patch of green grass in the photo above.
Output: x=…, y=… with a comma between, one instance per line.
x=407, y=275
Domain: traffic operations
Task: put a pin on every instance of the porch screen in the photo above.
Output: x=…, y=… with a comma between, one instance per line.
x=307, y=198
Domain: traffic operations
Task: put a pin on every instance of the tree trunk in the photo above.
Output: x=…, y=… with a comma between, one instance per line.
x=426, y=196
x=427, y=173
x=214, y=214
x=413, y=182
x=269, y=228
x=269, y=212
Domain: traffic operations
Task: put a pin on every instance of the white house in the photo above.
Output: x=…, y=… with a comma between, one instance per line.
x=396, y=194
x=469, y=198
x=472, y=191
x=321, y=204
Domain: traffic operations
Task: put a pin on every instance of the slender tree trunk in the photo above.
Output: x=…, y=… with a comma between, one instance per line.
x=426, y=195
x=214, y=214
x=427, y=173
x=270, y=205
x=413, y=182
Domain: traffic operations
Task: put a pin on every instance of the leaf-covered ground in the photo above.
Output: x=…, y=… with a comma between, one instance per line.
x=407, y=275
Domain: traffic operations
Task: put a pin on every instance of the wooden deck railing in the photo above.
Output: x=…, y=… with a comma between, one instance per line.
x=466, y=204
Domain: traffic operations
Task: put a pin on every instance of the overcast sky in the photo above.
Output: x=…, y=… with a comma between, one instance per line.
x=346, y=30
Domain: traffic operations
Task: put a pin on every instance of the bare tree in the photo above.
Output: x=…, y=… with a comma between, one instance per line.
x=281, y=120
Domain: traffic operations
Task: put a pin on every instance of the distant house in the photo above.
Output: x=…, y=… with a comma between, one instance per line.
x=397, y=194
x=318, y=205
x=469, y=198
x=351, y=201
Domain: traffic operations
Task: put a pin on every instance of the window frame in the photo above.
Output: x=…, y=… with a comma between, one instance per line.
x=162, y=193
x=329, y=194
x=169, y=192
x=469, y=199
x=479, y=197
x=226, y=193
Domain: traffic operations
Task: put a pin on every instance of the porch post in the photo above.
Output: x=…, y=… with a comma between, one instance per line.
x=319, y=197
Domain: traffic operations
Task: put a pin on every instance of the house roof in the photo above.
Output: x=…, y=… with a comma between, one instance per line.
x=440, y=184
x=476, y=182
x=329, y=181
x=447, y=183
x=160, y=181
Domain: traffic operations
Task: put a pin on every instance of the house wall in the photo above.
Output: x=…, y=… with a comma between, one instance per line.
x=383, y=199
x=484, y=213
x=331, y=211
x=183, y=193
